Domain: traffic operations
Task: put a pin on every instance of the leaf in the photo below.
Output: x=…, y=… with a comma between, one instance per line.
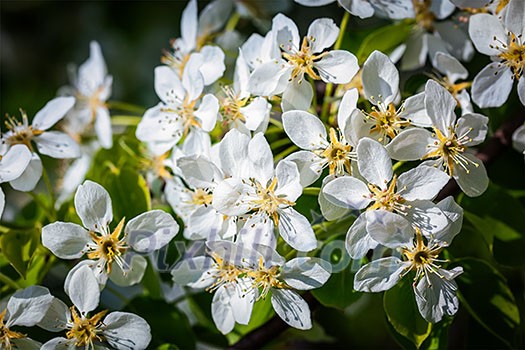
x=488, y=298
x=168, y=324
x=384, y=39
x=338, y=291
x=129, y=193
x=403, y=314
x=18, y=248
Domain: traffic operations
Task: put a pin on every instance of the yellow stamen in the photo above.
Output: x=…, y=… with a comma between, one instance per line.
x=6, y=335
x=86, y=330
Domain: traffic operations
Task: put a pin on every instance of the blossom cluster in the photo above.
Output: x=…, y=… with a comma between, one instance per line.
x=210, y=143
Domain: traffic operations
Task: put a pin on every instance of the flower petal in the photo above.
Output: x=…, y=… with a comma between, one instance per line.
x=306, y=273
x=390, y=229
x=65, y=240
x=347, y=192
x=83, y=290
x=291, y=308
x=304, y=129
x=337, y=66
x=28, y=306
x=14, y=163
x=410, y=144
x=295, y=230
x=124, y=330
x=297, y=96
x=57, y=144
x=322, y=34
x=379, y=171
x=103, y=127
x=52, y=112
x=380, y=275
x=380, y=79
x=474, y=126
x=473, y=180
x=151, y=231
x=440, y=105
x=132, y=275
x=358, y=242
x=423, y=182
x=31, y=175
x=492, y=86
x=483, y=29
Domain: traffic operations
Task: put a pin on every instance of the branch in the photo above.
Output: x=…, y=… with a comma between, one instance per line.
x=488, y=153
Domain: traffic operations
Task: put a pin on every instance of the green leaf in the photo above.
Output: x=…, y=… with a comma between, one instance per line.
x=403, y=314
x=490, y=226
x=338, y=291
x=129, y=193
x=18, y=248
x=151, y=281
x=384, y=39
x=486, y=295
x=168, y=324
x=168, y=347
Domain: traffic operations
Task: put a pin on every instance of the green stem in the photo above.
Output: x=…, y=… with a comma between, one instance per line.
x=276, y=123
x=285, y=152
x=397, y=165
x=314, y=98
x=124, y=106
x=232, y=22
x=342, y=30
x=280, y=143
x=49, y=187
x=311, y=191
x=126, y=120
x=8, y=281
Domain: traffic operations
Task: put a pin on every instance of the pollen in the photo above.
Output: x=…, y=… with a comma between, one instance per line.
x=268, y=202
x=423, y=258
x=264, y=278
x=201, y=197
x=231, y=105
x=386, y=121
x=84, y=330
x=338, y=155
x=302, y=60
x=109, y=248
x=20, y=132
x=387, y=199
x=513, y=54
x=6, y=335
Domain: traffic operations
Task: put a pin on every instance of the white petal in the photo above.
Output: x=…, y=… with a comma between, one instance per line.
x=93, y=206
x=314, y=3
x=436, y=295
x=295, y=229
x=160, y=125
x=103, y=127
x=188, y=24
x=229, y=197
x=380, y=79
x=291, y=308
x=360, y=8
x=442, y=8
x=65, y=240
x=242, y=301
x=203, y=223
x=329, y=210
x=83, y=290
x=288, y=181
x=426, y=215
x=214, y=16
x=475, y=181
x=28, y=306
x=416, y=51
x=92, y=73
x=474, y=126
x=131, y=276
x=26, y=344
x=56, y=317
x=266, y=80
x=440, y=105
x=389, y=229
x=483, y=28
x=199, y=172
x=454, y=215
x=261, y=159
x=14, y=162
x=379, y=275
x=213, y=66
x=492, y=86
x=304, y=129
x=256, y=113
x=297, y=96
x=358, y=242
x=222, y=311
x=322, y=34
x=521, y=90
x=258, y=230
x=414, y=110
x=306, y=273
x=285, y=30
x=347, y=105
x=57, y=144
x=347, y=192
x=309, y=166
x=168, y=85
x=190, y=271
x=337, y=66
x=514, y=19
x=410, y=144
x=423, y=182
x=30, y=177
x=2, y=202
x=207, y=112
x=450, y=66
x=378, y=171
x=389, y=9
x=233, y=153
x=59, y=344
x=124, y=330
x=52, y=112
x=151, y=230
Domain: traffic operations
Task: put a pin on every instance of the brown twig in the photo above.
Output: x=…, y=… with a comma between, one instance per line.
x=488, y=153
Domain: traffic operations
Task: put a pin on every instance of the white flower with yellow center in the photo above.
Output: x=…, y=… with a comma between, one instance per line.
x=92, y=88
x=195, y=34
x=309, y=133
x=389, y=200
x=24, y=308
x=54, y=144
x=434, y=287
x=504, y=43
x=108, y=251
x=380, y=79
x=494, y=6
x=262, y=194
x=297, y=61
x=118, y=330
x=183, y=108
x=448, y=146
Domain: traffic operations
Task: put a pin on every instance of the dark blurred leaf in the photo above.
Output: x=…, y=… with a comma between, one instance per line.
x=18, y=247
x=485, y=293
x=338, y=291
x=168, y=347
x=168, y=324
x=384, y=39
x=403, y=314
x=151, y=282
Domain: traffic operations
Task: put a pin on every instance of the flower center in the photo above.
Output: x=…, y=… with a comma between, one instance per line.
x=386, y=121
x=176, y=59
x=450, y=149
x=512, y=55
x=264, y=278
x=225, y=272
x=86, y=330
x=6, y=335
x=186, y=111
x=338, y=155
x=231, y=105
x=268, y=201
x=424, y=17
x=423, y=258
x=109, y=247
x=21, y=133
x=302, y=60
x=387, y=198
x=201, y=197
